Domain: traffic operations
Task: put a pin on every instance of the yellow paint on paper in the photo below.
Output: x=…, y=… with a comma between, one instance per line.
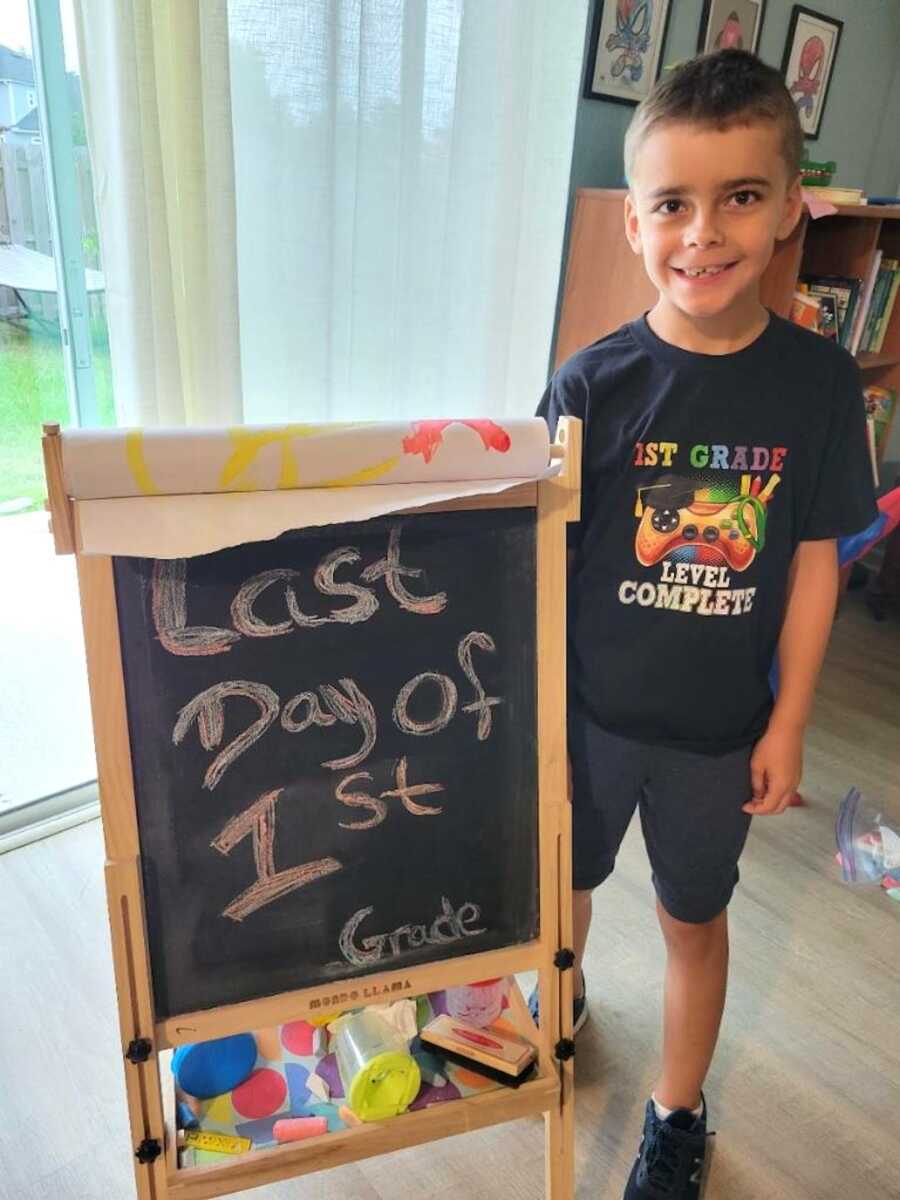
x=248, y=443
x=137, y=464
x=363, y=475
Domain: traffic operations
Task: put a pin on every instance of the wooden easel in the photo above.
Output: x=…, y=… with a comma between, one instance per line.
x=144, y=1038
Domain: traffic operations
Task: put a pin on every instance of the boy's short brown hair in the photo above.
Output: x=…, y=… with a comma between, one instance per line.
x=730, y=87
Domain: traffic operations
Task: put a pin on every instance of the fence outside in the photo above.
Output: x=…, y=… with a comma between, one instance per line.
x=25, y=217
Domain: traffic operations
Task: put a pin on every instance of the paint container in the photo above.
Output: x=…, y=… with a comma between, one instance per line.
x=478, y=1003
x=380, y=1077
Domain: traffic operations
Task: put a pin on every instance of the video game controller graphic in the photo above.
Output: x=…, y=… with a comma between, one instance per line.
x=702, y=532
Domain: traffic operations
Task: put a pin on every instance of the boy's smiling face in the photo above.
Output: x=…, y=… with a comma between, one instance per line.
x=705, y=209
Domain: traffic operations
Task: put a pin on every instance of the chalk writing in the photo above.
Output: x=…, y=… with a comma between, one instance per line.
x=349, y=707
x=443, y=714
x=169, y=600
x=259, y=821
x=209, y=711
x=404, y=792
x=448, y=926
x=482, y=704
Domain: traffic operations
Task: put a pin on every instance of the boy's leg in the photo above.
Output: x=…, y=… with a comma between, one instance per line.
x=695, y=831
x=696, y=979
x=582, y=905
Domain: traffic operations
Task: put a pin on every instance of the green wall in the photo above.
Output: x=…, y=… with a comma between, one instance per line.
x=862, y=114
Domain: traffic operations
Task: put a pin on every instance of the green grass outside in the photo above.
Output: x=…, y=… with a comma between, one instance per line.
x=32, y=391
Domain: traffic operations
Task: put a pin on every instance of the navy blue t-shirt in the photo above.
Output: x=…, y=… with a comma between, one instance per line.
x=700, y=475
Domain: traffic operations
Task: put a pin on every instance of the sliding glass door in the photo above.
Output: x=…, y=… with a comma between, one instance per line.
x=54, y=367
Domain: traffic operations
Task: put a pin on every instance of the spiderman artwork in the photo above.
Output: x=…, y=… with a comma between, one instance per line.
x=634, y=19
x=731, y=36
x=807, y=83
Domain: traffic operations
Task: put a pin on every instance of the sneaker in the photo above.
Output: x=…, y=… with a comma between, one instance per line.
x=579, y=1007
x=671, y=1157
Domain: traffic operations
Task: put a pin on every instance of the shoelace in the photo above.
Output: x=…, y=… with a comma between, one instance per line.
x=665, y=1153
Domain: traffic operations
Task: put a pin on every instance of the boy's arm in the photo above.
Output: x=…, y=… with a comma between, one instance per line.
x=777, y=761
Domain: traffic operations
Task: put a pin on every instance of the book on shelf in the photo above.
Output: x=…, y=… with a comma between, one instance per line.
x=805, y=310
x=876, y=307
x=828, y=317
x=845, y=290
x=891, y=265
x=862, y=309
x=839, y=195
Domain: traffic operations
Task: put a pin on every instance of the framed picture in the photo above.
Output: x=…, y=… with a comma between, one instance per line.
x=730, y=24
x=626, y=48
x=809, y=54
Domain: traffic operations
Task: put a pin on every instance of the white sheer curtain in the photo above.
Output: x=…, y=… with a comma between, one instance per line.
x=401, y=177
x=157, y=102
x=330, y=209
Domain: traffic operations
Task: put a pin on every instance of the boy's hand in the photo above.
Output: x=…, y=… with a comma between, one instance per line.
x=775, y=770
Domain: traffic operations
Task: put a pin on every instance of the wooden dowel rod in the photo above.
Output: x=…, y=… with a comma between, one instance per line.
x=62, y=525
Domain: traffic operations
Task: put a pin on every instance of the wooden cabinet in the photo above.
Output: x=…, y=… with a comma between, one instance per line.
x=606, y=283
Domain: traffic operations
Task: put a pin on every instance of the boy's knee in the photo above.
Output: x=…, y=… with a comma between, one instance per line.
x=693, y=938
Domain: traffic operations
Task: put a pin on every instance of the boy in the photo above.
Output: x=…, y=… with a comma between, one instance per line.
x=724, y=452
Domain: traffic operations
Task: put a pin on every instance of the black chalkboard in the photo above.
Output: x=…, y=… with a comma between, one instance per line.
x=288, y=702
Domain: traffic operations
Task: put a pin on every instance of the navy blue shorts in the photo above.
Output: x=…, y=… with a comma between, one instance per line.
x=690, y=807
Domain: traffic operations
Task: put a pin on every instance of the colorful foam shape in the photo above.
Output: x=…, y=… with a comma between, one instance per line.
x=433, y=1095
x=297, y=1037
x=268, y=1043
x=471, y=1079
x=328, y=1070
x=219, y=1111
x=297, y=1077
x=260, y=1133
x=329, y=1112
x=262, y=1095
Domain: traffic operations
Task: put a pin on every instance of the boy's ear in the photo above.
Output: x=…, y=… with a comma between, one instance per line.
x=632, y=228
x=793, y=207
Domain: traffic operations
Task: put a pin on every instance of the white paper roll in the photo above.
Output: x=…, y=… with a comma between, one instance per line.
x=104, y=464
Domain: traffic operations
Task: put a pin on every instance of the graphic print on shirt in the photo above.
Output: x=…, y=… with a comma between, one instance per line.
x=700, y=521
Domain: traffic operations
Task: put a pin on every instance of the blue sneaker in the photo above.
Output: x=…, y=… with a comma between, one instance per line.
x=671, y=1157
x=579, y=1007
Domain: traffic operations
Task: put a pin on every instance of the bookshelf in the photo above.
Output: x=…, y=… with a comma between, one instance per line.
x=606, y=285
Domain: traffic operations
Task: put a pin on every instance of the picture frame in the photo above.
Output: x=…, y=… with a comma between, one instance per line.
x=734, y=24
x=627, y=40
x=808, y=64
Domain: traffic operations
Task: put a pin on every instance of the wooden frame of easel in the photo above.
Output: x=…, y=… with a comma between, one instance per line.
x=144, y=1038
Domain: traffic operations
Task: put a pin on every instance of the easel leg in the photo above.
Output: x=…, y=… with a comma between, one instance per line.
x=559, y=1150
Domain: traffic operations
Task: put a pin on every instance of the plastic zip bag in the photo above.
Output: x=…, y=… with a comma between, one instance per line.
x=868, y=843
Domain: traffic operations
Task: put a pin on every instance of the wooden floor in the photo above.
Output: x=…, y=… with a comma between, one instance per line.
x=804, y=1092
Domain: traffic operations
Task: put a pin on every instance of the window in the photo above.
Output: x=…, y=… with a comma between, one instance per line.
x=47, y=219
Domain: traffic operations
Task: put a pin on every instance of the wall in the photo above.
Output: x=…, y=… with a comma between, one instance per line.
x=854, y=130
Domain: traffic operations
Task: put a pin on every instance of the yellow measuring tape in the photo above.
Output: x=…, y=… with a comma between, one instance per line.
x=219, y=1143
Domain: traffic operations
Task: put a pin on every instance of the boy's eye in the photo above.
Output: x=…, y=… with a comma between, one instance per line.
x=669, y=207
x=744, y=199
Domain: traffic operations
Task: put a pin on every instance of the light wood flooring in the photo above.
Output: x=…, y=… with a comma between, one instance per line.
x=804, y=1092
